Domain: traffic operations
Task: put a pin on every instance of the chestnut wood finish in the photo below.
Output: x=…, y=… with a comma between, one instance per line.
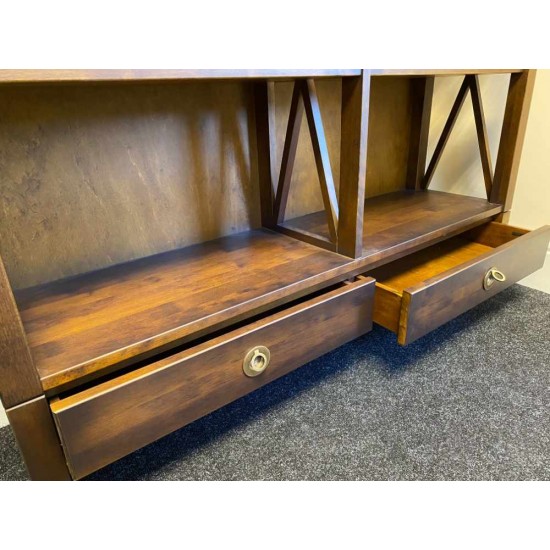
x=13, y=76
x=264, y=103
x=440, y=72
x=400, y=223
x=191, y=231
x=391, y=116
x=38, y=441
x=19, y=380
x=482, y=135
x=113, y=419
x=322, y=158
x=82, y=325
x=444, y=281
x=353, y=168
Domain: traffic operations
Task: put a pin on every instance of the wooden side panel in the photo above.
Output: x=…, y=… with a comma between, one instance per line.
x=19, y=380
x=38, y=441
x=444, y=297
x=513, y=137
x=109, y=421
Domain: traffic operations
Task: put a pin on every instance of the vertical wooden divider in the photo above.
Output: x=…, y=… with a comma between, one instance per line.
x=353, y=159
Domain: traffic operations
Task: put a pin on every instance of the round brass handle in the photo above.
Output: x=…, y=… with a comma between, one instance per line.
x=493, y=276
x=256, y=361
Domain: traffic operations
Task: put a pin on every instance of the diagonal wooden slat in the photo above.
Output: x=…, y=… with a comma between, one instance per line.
x=482, y=135
x=447, y=130
x=289, y=153
x=322, y=158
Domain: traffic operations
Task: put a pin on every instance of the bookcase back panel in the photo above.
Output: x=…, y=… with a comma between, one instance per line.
x=92, y=176
x=96, y=175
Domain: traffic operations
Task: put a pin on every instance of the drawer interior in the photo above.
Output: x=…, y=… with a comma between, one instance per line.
x=428, y=263
x=420, y=292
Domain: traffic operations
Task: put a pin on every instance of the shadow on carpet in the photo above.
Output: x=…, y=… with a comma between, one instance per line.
x=471, y=401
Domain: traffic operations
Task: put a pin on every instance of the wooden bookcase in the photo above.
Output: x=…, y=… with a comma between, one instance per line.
x=132, y=293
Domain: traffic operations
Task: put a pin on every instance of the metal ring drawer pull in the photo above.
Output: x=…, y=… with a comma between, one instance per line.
x=256, y=361
x=493, y=276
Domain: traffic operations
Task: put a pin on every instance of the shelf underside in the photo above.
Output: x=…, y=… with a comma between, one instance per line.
x=87, y=324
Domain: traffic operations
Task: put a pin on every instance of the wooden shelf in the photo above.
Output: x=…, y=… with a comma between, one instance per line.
x=88, y=323
x=440, y=72
x=11, y=76
x=401, y=222
x=83, y=325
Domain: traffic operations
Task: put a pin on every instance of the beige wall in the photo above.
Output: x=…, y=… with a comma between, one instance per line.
x=460, y=168
x=531, y=207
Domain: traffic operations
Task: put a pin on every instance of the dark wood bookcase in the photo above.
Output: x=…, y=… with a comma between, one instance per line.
x=174, y=239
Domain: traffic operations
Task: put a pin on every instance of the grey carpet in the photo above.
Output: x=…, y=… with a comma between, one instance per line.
x=471, y=401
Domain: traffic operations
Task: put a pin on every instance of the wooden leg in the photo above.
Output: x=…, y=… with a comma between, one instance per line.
x=38, y=441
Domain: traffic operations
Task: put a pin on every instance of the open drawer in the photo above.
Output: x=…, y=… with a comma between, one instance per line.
x=421, y=292
x=103, y=423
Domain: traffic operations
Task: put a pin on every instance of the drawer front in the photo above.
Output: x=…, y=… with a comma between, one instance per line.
x=440, y=299
x=102, y=424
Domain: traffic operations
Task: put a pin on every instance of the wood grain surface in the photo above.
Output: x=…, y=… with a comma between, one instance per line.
x=13, y=76
x=108, y=421
x=87, y=323
x=99, y=175
x=441, y=282
x=19, y=380
x=402, y=222
x=38, y=441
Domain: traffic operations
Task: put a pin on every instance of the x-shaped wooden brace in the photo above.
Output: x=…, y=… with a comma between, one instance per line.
x=305, y=96
x=470, y=84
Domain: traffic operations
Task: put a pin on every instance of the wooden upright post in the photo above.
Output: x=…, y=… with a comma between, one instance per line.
x=353, y=159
